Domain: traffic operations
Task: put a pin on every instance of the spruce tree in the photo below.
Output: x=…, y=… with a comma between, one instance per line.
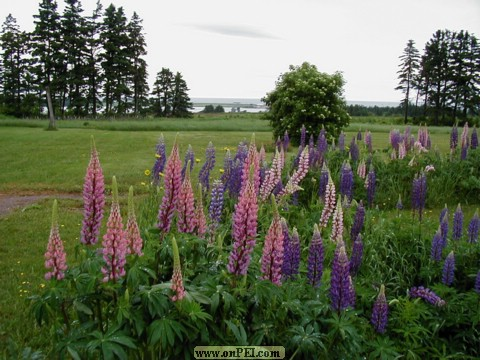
x=181, y=104
x=408, y=69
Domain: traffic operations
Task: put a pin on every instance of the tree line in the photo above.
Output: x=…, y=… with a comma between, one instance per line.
x=91, y=64
x=442, y=85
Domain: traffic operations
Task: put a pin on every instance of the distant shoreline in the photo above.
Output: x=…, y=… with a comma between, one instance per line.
x=252, y=103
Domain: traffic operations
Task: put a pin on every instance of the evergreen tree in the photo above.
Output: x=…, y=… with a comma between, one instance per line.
x=92, y=66
x=47, y=50
x=138, y=66
x=181, y=104
x=408, y=69
x=163, y=93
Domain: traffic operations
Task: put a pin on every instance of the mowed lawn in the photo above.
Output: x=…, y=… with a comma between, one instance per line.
x=35, y=161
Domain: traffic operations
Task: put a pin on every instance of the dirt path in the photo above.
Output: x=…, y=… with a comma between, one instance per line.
x=10, y=202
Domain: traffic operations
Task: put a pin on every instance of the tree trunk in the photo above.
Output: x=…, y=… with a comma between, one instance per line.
x=52, y=124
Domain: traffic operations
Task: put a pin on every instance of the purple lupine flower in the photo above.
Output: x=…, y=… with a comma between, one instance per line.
x=322, y=184
x=358, y=221
x=427, y=295
x=399, y=204
x=359, y=135
x=244, y=229
x=448, y=273
x=341, y=142
x=177, y=279
x=227, y=168
x=423, y=136
x=186, y=205
x=473, y=227
x=291, y=252
x=189, y=156
x=443, y=213
x=272, y=176
x=55, y=256
x=346, y=181
x=337, y=224
x=216, y=206
x=457, y=230
x=329, y=206
x=93, y=199
x=407, y=138
x=315, y=258
x=342, y=293
x=114, y=241
x=474, y=139
x=437, y=246
x=297, y=176
x=368, y=141
x=354, y=151
x=160, y=160
x=370, y=183
x=132, y=232
x=311, y=150
x=303, y=136
x=477, y=283
x=272, y=254
x=419, y=194
x=172, y=182
x=357, y=255
x=463, y=151
x=204, y=173
x=454, y=138
x=464, y=142
x=322, y=147
x=395, y=139
x=286, y=141
x=380, y=312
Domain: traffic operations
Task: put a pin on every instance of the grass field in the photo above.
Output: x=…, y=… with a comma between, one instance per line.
x=37, y=161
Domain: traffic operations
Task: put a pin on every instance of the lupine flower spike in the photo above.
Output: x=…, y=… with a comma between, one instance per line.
x=93, y=200
x=357, y=255
x=448, y=273
x=291, y=252
x=160, y=160
x=200, y=218
x=292, y=184
x=437, y=246
x=473, y=227
x=172, y=184
x=244, y=229
x=337, y=227
x=216, y=207
x=329, y=202
x=399, y=204
x=342, y=293
x=204, y=173
x=134, y=240
x=380, y=312
x=252, y=159
x=358, y=221
x=453, y=138
x=315, y=258
x=477, y=283
x=114, y=241
x=177, y=279
x=427, y=295
x=55, y=256
x=474, y=139
x=370, y=184
x=464, y=142
x=272, y=177
x=189, y=156
x=272, y=255
x=186, y=205
x=457, y=230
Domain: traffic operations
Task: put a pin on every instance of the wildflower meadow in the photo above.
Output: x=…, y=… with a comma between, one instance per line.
x=334, y=249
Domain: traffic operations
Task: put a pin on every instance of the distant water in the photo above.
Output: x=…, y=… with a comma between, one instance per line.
x=256, y=105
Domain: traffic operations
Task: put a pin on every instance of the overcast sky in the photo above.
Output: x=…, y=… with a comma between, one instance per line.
x=233, y=48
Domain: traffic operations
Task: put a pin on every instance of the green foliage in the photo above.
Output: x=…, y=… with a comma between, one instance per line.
x=305, y=96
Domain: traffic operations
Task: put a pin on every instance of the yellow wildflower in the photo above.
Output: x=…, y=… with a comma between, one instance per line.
x=147, y=172
x=221, y=171
x=197, y=160
x=143, y=183
x=158, y=156
x=161, y=174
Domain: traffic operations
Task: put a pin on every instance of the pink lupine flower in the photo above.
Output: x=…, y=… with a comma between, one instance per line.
x=200, y=218
x=172, y=182
x=429, y=168
x=362, y=169
x=114, y=241
x=177, y=279
x=134, y=240
x=272, y=256
x=261, y=155
x=93, y=199
x=337, y=228
x=252, y=160
x=402, y=152
x=55, y=256
x=186, y=205
x=272, y=177
x=298, y=175
x=244, y=229
x=329, y=202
